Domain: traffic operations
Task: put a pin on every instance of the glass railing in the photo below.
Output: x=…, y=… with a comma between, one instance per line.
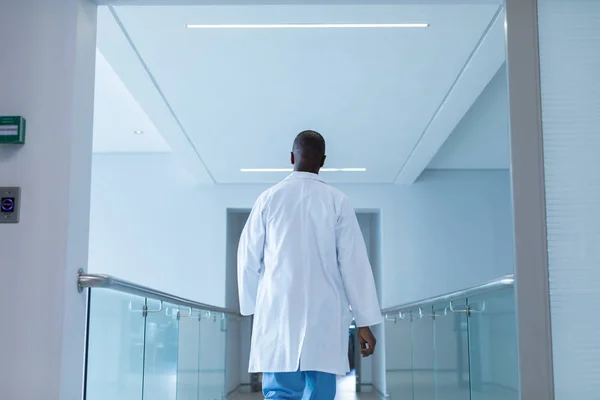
x=460, y=346
x=144, y=344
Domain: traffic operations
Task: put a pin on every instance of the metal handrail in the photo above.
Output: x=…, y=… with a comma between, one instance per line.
x=504, y=282
x=119, y=285
x=110, y=282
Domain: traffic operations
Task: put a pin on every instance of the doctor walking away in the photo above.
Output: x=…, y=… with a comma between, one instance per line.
x=304, y=273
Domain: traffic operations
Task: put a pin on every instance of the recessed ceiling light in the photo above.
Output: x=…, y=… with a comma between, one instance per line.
x=291, y=170
x=138, y=132
x=302, y=26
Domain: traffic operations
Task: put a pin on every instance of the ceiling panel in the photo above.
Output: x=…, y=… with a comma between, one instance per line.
x=120, y=123
x=242, y=95
x=480, y=140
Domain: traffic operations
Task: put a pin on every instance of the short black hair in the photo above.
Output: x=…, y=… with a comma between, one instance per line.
x=309, y=146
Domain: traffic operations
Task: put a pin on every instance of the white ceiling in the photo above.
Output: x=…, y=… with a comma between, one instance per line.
x=232, y=99
x=117, y=117
x=480, y=140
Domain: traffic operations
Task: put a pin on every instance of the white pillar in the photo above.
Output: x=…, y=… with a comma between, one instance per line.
x=47, y=75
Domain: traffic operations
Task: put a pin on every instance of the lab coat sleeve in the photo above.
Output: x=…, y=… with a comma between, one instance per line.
x=355, y=268
x=250, y=258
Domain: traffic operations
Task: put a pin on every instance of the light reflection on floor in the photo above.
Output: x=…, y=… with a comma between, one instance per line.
x=346, y=386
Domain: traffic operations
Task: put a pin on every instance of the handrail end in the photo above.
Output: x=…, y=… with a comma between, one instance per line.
x=93, y=280
x=80, y=287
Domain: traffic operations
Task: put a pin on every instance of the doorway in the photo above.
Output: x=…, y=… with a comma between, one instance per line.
x=366, y=371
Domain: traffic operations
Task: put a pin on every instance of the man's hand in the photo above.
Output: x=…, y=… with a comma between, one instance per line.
x=367, y=341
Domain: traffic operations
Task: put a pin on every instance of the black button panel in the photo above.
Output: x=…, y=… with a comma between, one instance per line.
x=7, y=204
x=10, y=205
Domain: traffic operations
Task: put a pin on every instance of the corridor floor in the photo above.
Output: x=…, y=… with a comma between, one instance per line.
x=345, y=390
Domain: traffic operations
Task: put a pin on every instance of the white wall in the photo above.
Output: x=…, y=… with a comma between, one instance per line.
x=47, y=75
x=152, y=225
x=448, y=231
x=569, y=43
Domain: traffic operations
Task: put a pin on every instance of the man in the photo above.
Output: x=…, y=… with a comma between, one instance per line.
x=304, y=273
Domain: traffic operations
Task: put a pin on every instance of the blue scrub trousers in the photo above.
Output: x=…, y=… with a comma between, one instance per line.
x=301, y=385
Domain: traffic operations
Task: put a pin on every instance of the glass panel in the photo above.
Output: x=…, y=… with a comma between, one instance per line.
x=493, y=347
x=188, y=367
x=423, y=355
x=116, y=346
x=162, y=336
x=451, y=352
x=398, y=358
x=212, y=356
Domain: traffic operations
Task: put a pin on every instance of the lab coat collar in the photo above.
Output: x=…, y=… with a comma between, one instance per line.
x=304, y=175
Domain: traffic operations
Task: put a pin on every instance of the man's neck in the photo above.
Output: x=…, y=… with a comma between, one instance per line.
x=308, y=170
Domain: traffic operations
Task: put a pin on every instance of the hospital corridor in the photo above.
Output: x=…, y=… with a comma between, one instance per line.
x=185, y=143
x=299, y=199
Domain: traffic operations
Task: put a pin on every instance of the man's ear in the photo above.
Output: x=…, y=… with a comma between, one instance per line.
x=292, y=160
x=323, y=161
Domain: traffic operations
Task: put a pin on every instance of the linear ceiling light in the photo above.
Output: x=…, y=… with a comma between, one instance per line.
x=291, y=169
x=343, y=169
x=266, y=170
x=302, y=26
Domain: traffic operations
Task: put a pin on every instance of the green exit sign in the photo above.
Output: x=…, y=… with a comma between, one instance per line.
x=12, y=130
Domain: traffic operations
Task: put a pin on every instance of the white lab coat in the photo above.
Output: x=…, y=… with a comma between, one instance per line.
x=302, y=263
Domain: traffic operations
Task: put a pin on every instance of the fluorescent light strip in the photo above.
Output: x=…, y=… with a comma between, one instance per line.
x=343, y=169
x=266, y=170
x=291, y=170
x=303, y=26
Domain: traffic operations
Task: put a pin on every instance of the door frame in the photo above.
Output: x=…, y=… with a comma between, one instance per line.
x=532, y=294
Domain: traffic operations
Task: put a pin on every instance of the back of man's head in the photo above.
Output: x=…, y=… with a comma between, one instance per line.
x=308, y=153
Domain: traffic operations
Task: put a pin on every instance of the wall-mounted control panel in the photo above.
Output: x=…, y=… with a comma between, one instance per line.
x=10, y=204
x=12, y=130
